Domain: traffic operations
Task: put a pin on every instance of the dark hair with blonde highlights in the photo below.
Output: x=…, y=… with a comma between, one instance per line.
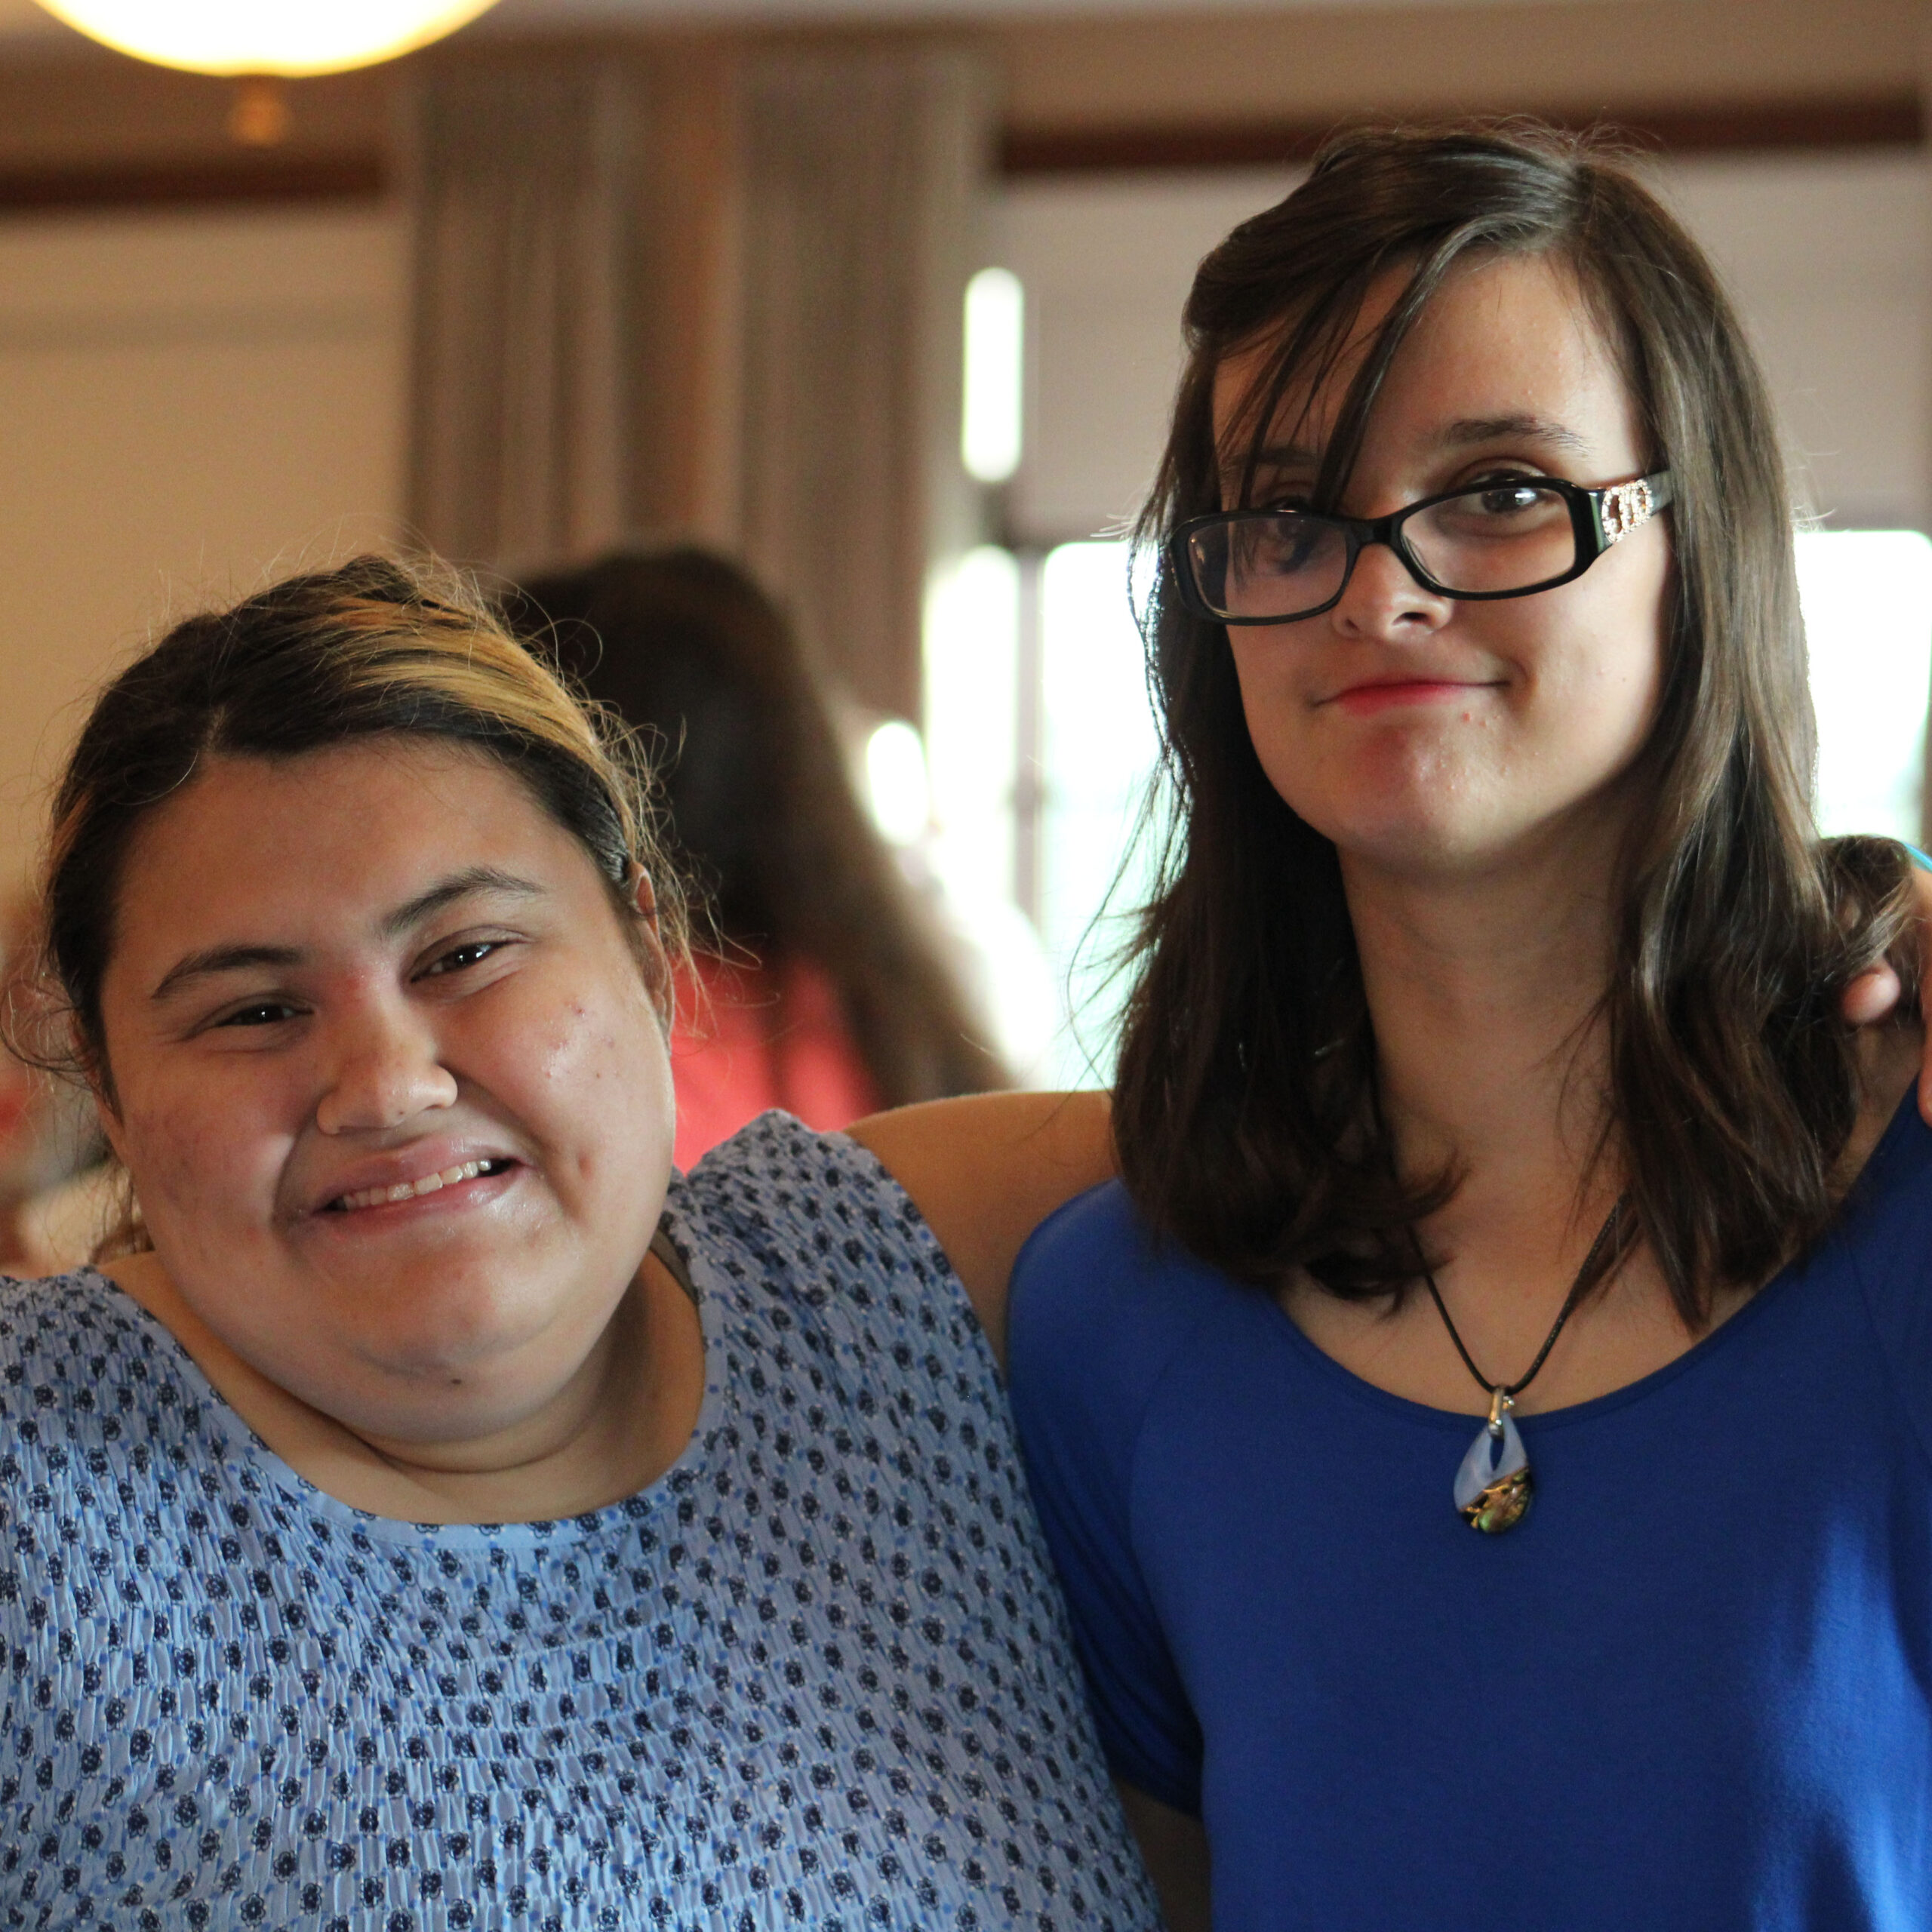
x=376, y=648
x=1244, y=1107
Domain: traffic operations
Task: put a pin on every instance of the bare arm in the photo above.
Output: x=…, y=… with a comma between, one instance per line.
x=1175, y=1848
x=986, y=1172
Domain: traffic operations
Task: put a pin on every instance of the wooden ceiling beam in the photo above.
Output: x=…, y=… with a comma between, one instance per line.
x=1888, y=120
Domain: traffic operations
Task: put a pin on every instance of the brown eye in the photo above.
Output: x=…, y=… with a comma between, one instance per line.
x=460, y=958
x=1505, y=499
x=263, y=1013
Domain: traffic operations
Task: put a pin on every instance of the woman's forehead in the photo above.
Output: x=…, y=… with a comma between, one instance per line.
x=1505, y=345
x=326, y=834
x=435, y=777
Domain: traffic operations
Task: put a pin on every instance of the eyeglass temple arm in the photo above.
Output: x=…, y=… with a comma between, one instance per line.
x=1623, y=507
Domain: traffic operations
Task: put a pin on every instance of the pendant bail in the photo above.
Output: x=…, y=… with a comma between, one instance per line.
x=1501, y=1403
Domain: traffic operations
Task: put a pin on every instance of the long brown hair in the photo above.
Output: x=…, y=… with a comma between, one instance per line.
x=1244, y=1107
x=685, y=645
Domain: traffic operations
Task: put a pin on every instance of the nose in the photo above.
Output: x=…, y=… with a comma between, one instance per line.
x=384, y=1070
x=1382, y=599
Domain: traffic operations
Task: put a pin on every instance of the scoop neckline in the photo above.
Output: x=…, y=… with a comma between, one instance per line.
x=1869, y=1179
x=538, y=1532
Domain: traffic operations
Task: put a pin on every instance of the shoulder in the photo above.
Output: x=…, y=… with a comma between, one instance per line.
x=1888, y=1210
x=69, y=1343
x=805, y=1227
x=1100, y=1311
x=1883, y=1228
x=985, y=1172
x=1882, y=1241
x=91, y=1386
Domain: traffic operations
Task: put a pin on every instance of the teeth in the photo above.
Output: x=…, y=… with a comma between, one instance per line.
x=408, y=1190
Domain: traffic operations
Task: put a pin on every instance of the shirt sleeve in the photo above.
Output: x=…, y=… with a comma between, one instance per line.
x=1088, y=1338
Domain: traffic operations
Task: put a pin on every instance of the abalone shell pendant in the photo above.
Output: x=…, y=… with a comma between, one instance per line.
x=1493, y=1486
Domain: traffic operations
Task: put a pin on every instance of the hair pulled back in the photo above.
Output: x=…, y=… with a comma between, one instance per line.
x=1244, y=1106
x=376, y=648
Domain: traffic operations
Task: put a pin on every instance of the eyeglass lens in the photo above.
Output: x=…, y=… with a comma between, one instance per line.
x=1278, y=564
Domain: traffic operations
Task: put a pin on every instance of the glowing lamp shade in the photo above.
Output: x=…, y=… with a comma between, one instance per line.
x=247, y=36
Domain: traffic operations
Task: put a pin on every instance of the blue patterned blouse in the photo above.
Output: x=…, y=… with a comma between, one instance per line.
x=818, y=1676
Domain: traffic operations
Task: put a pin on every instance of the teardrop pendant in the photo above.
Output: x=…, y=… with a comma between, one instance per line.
x=1493, y=1486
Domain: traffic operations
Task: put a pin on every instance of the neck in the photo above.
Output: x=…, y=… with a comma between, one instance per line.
x=616, y=1425
x=1485, y=992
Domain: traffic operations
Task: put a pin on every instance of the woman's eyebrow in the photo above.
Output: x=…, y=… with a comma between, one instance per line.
x=214, y=959
x=244, y=957
x=458, y=885
x=1469, y=430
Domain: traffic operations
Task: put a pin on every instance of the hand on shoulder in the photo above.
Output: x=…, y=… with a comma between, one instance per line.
x=985, y=1171
x=1873, y=996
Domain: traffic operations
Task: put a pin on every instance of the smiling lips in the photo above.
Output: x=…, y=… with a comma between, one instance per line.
x=408, y=1190
x=1388, y=692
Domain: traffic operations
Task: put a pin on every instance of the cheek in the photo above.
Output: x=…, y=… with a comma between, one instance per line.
x=215, y=1162
x=1270, y=673
x=1611, y=682
x=600, y=1074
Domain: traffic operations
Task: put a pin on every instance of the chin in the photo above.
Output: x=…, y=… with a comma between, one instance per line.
x=1396, y=832
x=453, y=1320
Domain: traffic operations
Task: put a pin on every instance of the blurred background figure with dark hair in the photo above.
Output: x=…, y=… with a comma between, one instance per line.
x=829, y=991
x=54, y=1201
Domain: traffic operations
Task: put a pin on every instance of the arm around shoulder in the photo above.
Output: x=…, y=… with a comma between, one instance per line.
x=986, y=1172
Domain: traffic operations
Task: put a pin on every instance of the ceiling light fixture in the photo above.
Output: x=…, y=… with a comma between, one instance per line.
x=290, y=37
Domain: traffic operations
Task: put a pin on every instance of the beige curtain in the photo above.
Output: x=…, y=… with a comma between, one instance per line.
x=681, y=289
x=864, y=170
x=528, y=189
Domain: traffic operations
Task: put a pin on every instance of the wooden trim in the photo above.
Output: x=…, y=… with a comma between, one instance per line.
x=365, y=174
x=358, y=176
x=1737, y=127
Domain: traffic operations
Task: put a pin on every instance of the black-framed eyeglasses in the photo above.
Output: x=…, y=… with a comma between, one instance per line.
x=1510, y=537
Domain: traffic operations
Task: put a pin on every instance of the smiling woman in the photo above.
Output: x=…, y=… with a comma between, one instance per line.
x=1483, y=1432
x=443, y=1515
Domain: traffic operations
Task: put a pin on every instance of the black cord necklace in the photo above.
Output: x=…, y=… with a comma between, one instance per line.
x=1493, y=1486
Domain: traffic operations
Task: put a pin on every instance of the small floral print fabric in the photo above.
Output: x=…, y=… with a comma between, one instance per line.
x=818, y=1676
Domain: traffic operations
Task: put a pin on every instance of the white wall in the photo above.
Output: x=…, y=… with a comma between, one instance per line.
x=186, y=402
x=1830, y=257
x=1105, y=261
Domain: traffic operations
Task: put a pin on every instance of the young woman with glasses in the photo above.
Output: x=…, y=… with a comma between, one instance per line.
x=1486, y=1432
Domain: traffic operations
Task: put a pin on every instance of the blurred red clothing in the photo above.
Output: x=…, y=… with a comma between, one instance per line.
x=761, y=1038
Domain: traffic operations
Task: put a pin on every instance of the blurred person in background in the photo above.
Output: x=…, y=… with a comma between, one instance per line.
x=54, y=1202
x=829, y=992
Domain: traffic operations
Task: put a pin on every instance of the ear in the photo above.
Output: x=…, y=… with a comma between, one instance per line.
x=648, y=944
x=643, y=897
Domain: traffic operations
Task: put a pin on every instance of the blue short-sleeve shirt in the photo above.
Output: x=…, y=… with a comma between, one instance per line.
x=1694, y=1689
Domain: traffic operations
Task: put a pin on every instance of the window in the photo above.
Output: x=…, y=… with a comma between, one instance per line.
x=1867, y=597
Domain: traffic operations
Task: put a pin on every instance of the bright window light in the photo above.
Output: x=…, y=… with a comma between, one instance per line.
x=996, y=334
x=896, y=783
x=972, y=676
x=1867, y=598
x=247, y=37
x=1098, y=748
x=972, y=679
